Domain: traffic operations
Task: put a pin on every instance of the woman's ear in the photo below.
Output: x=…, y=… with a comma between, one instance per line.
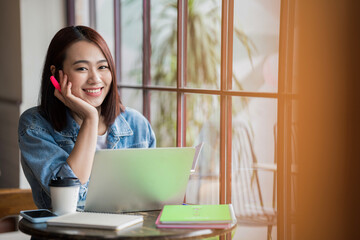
x=52, y=69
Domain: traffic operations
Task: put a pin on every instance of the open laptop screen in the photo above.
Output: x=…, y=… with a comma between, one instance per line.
x=126, y=180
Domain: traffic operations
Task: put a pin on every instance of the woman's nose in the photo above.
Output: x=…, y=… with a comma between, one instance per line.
x=94, y=77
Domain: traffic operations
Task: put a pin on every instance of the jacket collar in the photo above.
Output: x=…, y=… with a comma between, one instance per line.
x=120, y=127
x=117, y=130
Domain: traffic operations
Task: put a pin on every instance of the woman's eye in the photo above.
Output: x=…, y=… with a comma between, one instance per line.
x=103, y=67
x=81, y=69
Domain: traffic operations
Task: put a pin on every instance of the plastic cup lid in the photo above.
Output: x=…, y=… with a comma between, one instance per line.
x=64, y=182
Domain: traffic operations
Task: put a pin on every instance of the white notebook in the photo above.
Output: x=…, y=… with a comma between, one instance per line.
x=96, y=220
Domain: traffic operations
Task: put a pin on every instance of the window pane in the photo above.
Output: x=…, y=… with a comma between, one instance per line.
x=256, y=45
x=105, y=22
x=203, y=125
x=164, y=42
x=203, y=46
x=253, y=163
x=82, y=13
x=131, y=42
x=163, y=117
x=132, y=98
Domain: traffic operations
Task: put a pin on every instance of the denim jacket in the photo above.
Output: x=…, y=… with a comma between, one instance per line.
x=44, y=150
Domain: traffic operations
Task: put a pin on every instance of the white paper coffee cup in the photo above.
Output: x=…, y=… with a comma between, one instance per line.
x=64, y=195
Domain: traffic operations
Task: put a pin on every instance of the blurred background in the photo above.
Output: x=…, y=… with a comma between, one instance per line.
x=268, y=86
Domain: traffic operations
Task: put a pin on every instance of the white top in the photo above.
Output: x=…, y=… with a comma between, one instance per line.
x=101, y=141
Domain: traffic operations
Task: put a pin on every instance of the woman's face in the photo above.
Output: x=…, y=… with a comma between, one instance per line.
x=88, y=71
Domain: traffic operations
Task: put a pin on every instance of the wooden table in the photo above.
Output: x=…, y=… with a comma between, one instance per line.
x=145, y=230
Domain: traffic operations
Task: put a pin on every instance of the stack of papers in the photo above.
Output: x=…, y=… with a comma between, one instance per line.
x=196, y=216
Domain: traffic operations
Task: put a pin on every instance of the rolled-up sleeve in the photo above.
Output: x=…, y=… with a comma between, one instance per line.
x=42, y=159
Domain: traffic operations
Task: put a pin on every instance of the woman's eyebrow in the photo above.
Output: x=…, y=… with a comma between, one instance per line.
x=103, y=60
x=80, y=61
x=86, y=61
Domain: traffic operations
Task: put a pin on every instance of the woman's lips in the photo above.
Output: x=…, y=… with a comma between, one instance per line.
x=93, y=91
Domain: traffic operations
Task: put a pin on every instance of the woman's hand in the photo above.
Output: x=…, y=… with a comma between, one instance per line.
x=78, y=106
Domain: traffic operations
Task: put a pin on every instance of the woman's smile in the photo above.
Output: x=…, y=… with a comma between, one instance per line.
x=94, y=92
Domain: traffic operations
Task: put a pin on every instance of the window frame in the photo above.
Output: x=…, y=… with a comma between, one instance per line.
x=284, y=95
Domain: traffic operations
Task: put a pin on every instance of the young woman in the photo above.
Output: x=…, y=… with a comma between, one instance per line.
x=59, y=137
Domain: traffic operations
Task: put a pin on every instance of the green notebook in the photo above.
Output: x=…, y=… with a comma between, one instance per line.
x=190, y=214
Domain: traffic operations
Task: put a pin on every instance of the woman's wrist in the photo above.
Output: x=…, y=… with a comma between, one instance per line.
x=89, y=116
x=92, y=119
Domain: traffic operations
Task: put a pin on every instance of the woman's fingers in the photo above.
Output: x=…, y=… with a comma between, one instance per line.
x=59, y=96
x=63, y=80
x=68, y=90
x=65, y=89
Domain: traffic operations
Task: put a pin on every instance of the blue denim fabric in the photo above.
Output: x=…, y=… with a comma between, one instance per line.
x=44, y=150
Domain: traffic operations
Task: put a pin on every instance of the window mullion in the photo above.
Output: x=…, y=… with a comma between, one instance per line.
x=181, y=72
x=92, y=14
x=283, y=157
x=70, y=8
x=226, y=101
x=146, y=57
x=117, y=40
x=223, y=100
x=229, y=102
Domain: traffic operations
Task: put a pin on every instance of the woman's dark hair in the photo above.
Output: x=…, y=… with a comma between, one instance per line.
x=51, y=107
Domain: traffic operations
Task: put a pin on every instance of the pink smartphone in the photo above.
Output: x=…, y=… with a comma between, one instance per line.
x=55, y=83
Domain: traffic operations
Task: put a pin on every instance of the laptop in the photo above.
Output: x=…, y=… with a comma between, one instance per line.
x=139, y=179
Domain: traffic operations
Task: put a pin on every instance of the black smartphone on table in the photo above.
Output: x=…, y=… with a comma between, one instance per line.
x=38, y=215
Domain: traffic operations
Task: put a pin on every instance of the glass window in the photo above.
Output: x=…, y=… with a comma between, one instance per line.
x=163, y=117
x=253, y=149
x=163, y=42
x=132, y=98
x=203, y=125
x=131, y=42
x=105, y=22
x=82, y=13
x=254, y=165
x=203, y=44
x=151, y=63
x=256, y=45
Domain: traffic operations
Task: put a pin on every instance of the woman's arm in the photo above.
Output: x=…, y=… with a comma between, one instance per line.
x=43, y=155
x=81, y=158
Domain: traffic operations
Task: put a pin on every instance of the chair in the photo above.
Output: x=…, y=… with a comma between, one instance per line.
x=248, y=200
x=12, y=201
x=247, y=194
x=248, y=203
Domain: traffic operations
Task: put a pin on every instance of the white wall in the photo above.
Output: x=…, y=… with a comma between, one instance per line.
x=40, y=20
